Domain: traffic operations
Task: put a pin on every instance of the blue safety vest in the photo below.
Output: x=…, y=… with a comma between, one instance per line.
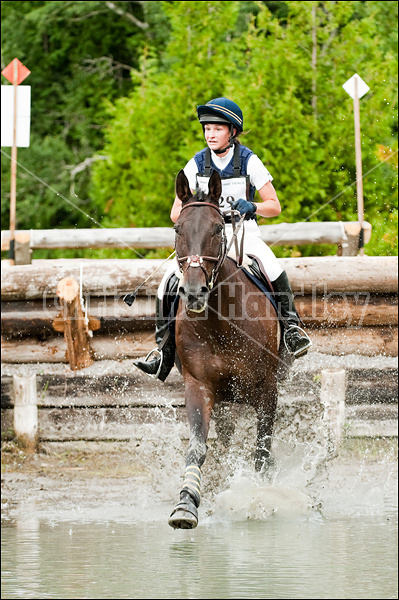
x=237, y=167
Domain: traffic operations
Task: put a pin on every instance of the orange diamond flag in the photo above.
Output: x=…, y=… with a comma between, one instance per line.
x=22, y=71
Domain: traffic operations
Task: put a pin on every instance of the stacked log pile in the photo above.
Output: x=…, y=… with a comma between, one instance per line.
x=349, y=305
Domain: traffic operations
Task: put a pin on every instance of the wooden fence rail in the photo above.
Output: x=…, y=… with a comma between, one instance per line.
x=110, y=277
x=343, y=234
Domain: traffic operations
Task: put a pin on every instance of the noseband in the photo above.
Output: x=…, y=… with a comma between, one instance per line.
x=195, y=260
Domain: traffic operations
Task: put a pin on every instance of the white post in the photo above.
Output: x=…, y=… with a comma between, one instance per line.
x=356, y=88
x=13, y=189
x=359, y=172
x=332, y=395
x=25, y=408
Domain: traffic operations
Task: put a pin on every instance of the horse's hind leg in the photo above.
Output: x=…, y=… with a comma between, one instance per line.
x=224, y=424
x=266, y=411
x=199, y=406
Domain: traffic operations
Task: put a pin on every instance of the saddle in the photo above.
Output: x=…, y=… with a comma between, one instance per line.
x=256, y=273
x=252, y=268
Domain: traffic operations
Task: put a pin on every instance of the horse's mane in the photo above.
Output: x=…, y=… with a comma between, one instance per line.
x=199, y=196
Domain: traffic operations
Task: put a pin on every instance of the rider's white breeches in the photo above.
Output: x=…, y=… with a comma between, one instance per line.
x=253, y=244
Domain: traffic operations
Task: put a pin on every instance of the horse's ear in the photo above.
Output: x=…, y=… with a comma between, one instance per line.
x=215, y=187
x=183, y=191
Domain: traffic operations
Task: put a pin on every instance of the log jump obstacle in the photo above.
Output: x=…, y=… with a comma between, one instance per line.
x=349, y=303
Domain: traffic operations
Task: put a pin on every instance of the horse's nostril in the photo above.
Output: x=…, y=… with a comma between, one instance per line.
x=191, y=299
x=194, y=294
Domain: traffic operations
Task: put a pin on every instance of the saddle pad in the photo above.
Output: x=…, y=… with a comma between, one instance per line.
x=260, y=283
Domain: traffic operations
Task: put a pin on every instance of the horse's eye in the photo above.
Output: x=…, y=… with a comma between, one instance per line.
x=177, y=229
x=218, y=229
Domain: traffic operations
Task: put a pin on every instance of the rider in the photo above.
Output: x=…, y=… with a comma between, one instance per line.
x=242, y=174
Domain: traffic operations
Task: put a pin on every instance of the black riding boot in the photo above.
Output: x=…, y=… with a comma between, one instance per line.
x=296, y=340
x=161, y=365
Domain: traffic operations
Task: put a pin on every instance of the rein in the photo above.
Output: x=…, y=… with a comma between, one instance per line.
x=197, y=261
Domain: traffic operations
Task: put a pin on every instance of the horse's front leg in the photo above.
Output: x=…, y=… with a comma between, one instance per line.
x=199, y=402
x=266, y=412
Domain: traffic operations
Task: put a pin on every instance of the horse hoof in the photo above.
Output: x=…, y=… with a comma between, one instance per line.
x=185, y=516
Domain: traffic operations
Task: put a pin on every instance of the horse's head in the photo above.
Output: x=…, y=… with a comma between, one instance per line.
x=200, y=240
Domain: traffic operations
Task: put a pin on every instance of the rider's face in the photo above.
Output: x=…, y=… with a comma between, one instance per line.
x=217, y=135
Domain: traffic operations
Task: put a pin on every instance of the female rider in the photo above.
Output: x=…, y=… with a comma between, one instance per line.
x=242, y=174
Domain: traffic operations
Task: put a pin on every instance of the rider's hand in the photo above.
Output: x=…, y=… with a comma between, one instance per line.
x=244, y=207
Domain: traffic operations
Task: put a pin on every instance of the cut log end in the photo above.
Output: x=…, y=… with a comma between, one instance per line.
x=68, y=289
x=74, y=325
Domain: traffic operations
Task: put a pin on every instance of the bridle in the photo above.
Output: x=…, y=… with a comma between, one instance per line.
x=197, y=261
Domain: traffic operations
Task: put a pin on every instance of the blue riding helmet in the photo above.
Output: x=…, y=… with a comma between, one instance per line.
x=221, y=110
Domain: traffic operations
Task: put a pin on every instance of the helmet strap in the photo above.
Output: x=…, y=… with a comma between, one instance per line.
x=231, y=142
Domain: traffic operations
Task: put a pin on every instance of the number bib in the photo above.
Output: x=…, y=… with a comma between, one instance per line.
x=233, y=188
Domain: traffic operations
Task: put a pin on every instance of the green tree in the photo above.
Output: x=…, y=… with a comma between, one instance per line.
x=115, y=86
x=296, y=74
x=80, y=54
x=286, y=71
x=154, y=131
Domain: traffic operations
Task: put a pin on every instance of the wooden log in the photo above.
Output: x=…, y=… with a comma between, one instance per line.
x=357, y=428
x=72, y=322
x=118, y=424
x=35, y=317
x=309, y=233
x=323, y=275
x=113, y=423
x=113, y=277
x=54, y=349
x=283, y=234
x=366, y=341
x=103, y=277
x=346, y=309
x=366, y=386
x=371, y=412
x=120, y=382
x=133, y=237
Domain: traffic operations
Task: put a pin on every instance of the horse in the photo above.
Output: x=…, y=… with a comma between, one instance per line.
x=227, y=346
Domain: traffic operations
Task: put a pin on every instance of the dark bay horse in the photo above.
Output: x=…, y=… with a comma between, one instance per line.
x=226, y=337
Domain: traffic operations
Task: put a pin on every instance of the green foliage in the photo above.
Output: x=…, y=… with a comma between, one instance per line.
x=124, y=94
x=300, y=119
x=80, y=55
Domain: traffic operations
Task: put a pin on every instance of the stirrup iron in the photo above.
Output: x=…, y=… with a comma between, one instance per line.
x=298, y=353
x=160, y=354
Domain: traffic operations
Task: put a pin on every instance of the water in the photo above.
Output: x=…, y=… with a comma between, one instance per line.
x=321, y=528
x=333, y=536
x=277, y=558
